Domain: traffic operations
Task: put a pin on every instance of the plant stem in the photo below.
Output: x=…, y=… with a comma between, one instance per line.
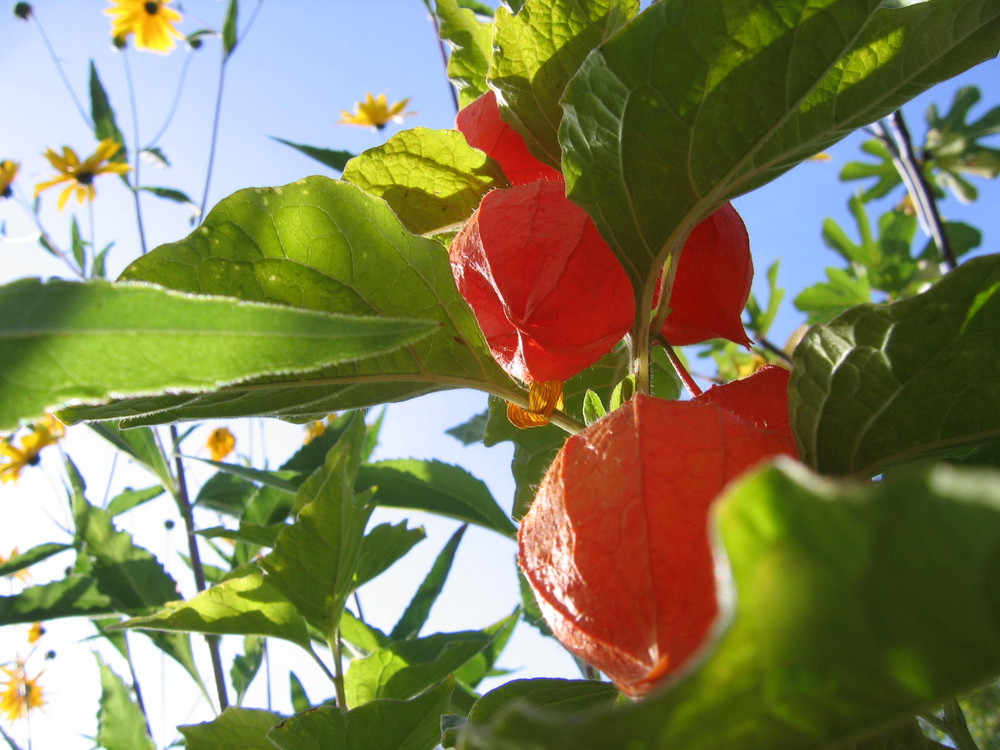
x=958, y=729
x=184, y=504
x=62, y=73
x=681, y=370
x=338, y=667
x=442, y=52
x=900, y=147
x=134, y=185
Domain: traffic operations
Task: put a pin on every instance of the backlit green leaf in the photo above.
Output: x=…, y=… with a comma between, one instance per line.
x=67, y=342
x=120, y=722
x=432, y=179
x=883, y=384
x=471, y=42
x=234, y=729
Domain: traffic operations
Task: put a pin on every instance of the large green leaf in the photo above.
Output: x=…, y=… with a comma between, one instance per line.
x=315, y=560
x=67, y=342
x=883, y=384
x=379, y=725
x=323, y=245
x=120, y=722
x=471, y=43
x=247, y=605
x=432, y=179
x=538, y=50
x=853, y=610
x=697, y=101
x=435, y=487
x=234, y=729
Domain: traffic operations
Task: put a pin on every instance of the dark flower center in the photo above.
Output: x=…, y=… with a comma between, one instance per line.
x=6, y=192
x=152, y=8
x=85, y=178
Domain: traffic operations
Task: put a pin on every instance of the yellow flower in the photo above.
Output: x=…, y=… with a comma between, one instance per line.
x=80, y=175
x=314, y=430
x=221, y=443
x=151, y=22
x=8, y=171
x=544, y=397
x=35, y=633
x=375, y=112
x=43, y=433
x=21, y=693
x=22, y=574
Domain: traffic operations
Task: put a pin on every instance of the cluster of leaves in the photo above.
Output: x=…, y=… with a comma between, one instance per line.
x=327, y=295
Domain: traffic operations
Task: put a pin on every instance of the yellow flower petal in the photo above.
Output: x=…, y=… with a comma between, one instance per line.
x=221, y=443
x=543, y=398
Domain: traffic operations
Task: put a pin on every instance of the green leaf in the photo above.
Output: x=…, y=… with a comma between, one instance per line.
x=251, y=533
x=26, y=559
x=315, y=560
x=482, y=664
x=363, y=637
x=226, y=493
x=300, y=700
x=130, y=575
x=229, y=30
x=659, y=129
x=77, y=245
x=379, y=725
x=435, y=487
x=593, y=407
x=73, y=596
x=132, y=339
x=120, y=722
x=323, y=245
x=842, y=290
x=571, y=697
x=884, y=384
x=246, y=665
x=874, y=564
x=471, y=432
x=247, y=605
x=233, y=729
x=334, y=159
x=417, y=611
x=537, y=51
x=381, y=547
x=103, y=116
x=953, y=143
x=405, y=669
x=170, y=194
x=432, y=179
x=286, y=481
x=883, y=170
x=128, y=499
x=471, y=48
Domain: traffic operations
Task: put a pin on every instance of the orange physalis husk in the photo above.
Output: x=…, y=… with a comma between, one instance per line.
x=760, y=399
x=543, y=398
x=549, y=294
x=483, y=128
x=616, y=544
x=712, y=283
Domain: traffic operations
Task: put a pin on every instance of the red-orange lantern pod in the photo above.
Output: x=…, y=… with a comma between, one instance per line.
x=616, y=544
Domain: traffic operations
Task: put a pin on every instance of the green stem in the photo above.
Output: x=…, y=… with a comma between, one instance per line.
x=134, y=183
x=184, y=504
x=681, y=370
x=958, y=729
x=62, y=73
x=333, y=638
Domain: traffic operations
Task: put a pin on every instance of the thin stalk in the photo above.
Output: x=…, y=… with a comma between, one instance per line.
x=443, y=53
x=62, y=73
x=681, y=370
x=47, y=239
x=136, y=688
x=958, y=729
x=215, y=135
x=184, y=504
x=900, y=148
x=338, y=667
x=176, y=100
x=134, y=184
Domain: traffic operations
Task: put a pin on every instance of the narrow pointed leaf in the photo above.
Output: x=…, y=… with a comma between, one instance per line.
x=29, y=557
x=129, y=499
x=330, y=157
x=435, y=487
x=73, y=596
x=873, y=564
x=419, y=608
x=323, y=245
x=659, y=128
x=120, y=722
x=103, y=115
x=537, y=51
x=69, y=343
x=379, y=725
x=432, y=179
x=883, y=384
x=383, y=546
x=246, y=665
